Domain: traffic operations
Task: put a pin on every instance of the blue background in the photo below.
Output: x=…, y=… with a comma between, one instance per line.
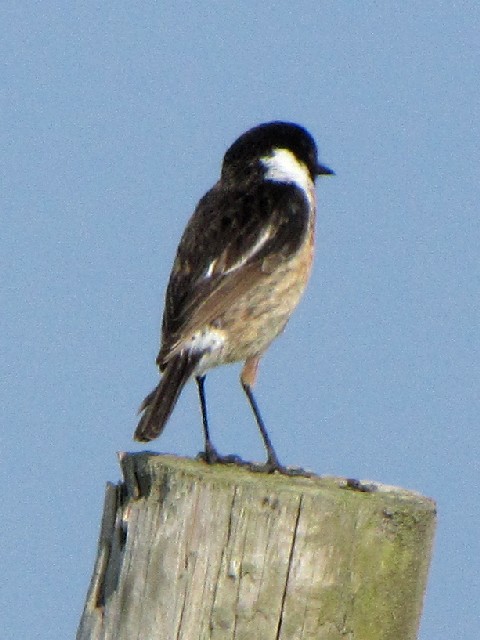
x=115, y=117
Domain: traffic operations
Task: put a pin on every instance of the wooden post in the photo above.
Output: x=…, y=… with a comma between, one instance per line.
x=189, y=551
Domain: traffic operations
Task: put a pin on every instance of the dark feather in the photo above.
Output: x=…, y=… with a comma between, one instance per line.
x=225, y=227
x=159, y=404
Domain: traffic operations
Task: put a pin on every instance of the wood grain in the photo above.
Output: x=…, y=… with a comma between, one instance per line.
x=189, y=551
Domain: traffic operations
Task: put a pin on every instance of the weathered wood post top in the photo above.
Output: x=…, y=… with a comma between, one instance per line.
x=189, y=551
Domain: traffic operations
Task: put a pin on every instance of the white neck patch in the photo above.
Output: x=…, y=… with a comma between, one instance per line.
x=283, y=166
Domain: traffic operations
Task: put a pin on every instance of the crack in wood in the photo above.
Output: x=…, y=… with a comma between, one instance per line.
x=289, y=567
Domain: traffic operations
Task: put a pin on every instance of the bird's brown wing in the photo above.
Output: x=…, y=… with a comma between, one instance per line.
x=232, y=240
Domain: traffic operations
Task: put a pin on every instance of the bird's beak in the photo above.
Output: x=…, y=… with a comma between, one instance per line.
x=322, y=170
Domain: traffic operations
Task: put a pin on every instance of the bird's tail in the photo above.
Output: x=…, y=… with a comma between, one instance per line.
x=158, y=405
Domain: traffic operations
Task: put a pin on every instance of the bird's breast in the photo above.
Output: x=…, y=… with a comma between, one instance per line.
x=257, y=317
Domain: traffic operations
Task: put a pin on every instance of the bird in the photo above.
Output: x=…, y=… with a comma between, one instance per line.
x=240, y=270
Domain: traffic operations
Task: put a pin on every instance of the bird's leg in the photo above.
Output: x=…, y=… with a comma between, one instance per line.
x=248, y=377
x=210, y=455
x=272, y=464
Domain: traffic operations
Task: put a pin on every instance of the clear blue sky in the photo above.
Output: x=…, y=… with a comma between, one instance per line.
x=114, y=120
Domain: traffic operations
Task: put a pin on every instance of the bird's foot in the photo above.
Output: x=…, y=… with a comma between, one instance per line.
x=211, y=456
x=272, y=465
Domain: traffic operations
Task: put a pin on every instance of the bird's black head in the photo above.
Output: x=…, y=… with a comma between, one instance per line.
x=245, y=153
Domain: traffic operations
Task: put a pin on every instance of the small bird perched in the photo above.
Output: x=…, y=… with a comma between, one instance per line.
x=241, y=268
